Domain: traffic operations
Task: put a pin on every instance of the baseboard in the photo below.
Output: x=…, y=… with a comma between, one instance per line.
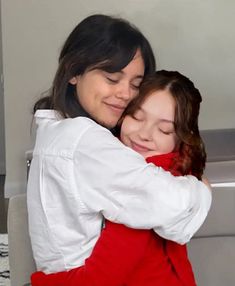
x=14, y=188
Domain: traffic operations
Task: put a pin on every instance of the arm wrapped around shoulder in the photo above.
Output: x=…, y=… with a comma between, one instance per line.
x=116, y=181
x=192, y=217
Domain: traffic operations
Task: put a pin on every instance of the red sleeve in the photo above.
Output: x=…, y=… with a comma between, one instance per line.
x=115, y=255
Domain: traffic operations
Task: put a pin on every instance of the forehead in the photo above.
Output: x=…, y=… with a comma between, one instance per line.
x=134, y=69
x=160, y=104
x=136, y=66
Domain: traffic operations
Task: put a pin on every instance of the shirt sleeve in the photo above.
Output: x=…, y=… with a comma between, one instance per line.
x=119, y=183
x=116, y=254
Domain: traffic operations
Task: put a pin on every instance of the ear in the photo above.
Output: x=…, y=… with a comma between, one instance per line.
x=74, y=80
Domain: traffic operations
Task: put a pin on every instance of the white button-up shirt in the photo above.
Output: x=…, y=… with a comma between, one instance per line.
x=81, y=172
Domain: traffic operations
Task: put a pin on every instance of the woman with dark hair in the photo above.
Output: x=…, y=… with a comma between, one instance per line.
x=73, y=181
x=100, y=43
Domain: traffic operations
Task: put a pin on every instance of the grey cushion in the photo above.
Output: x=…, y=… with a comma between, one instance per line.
x=220, y=220
x=212, y=250
x=213, y=260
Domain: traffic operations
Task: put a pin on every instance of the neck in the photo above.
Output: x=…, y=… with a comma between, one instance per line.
x=81, y=111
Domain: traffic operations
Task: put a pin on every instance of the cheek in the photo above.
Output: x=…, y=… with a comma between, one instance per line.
x=126, y=128
x=164, y=143
x=88, y=98
x=171, y=143
x=124, y=131
x=134, y=94
x=81, y=90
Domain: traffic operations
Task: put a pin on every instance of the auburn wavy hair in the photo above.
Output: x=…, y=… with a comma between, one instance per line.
x=187, y=98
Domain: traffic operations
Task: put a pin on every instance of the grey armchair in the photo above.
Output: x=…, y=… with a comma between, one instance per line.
x=212, y=250
x=20, y=252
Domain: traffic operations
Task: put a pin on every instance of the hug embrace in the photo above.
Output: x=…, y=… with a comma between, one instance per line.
x=117, y=142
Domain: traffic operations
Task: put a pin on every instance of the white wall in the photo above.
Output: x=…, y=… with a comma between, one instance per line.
x=195, y=37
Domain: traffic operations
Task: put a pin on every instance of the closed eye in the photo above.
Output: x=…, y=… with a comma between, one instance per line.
x=138, y=116
x=166, y=132
x=111, y=80
x=136, y=87
x=135, y=83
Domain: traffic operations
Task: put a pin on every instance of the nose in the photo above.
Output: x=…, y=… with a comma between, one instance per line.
x=125, y=92
x=145, y=132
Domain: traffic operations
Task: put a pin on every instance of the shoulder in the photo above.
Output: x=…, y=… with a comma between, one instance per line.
x=55, y=132
x=52, y=122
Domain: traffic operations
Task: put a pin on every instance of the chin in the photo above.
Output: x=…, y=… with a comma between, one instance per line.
x=108, y=124
x=112, y=122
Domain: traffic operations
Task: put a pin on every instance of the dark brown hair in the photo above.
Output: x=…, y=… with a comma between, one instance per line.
x=187, y=98
x=98, y=42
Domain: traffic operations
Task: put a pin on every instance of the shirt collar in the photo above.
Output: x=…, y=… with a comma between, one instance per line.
x=47, y=114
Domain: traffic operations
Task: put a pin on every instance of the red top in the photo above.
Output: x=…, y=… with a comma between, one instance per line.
x=129, y=257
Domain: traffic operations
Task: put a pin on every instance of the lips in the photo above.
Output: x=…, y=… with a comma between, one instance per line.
x=117, y=108
x=138, y=147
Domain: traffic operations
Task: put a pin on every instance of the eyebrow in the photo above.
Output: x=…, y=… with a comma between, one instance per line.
x=166, y=120
x=140, y=76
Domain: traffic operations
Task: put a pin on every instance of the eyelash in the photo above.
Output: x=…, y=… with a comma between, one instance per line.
x=136, y=118
x=140, y=119
x=112, y=80
x=115, y=81
x=135, y=87
x=166, y=133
